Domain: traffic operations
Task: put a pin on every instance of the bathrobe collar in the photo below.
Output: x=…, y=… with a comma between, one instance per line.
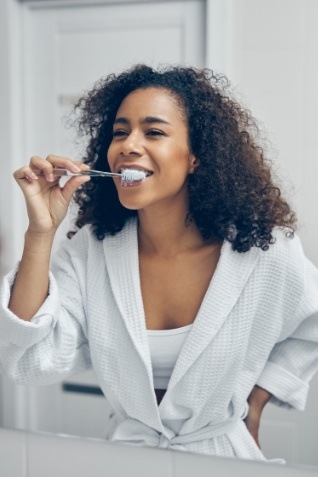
x=227, y=284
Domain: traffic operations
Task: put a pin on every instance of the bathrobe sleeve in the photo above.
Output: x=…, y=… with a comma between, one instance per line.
x=54, y=343
x=294, y=358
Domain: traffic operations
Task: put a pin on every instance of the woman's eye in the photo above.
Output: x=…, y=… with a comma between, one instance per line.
x=119, y=133
x=155, y=132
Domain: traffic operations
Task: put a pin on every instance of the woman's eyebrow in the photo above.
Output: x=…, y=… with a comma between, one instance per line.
x=153, y=119
x=121, y=121
x=146, y=120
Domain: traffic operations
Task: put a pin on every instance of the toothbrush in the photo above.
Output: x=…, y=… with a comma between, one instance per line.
x=126, y=175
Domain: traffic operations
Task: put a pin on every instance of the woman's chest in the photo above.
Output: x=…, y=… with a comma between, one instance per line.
x=173, y=289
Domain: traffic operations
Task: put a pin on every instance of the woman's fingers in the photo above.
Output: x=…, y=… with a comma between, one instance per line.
x=65, y=162
x=25, y=173
x=71, y=185
x=47, y=200
x=73, y=166
x=36, y=168
x=39, y=167
x=59, y=161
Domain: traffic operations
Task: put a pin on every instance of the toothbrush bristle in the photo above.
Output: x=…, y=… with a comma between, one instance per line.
x=133, y=175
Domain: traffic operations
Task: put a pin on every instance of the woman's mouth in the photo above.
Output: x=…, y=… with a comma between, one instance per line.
x=133, y=176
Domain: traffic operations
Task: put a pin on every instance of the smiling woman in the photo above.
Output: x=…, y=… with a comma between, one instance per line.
x=156, y=143
x=231, y=195
x=188, y=291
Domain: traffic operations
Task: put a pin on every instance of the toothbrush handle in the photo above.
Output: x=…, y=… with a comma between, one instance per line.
x=61, y=171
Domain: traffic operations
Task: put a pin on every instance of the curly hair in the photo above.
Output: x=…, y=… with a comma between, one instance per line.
x=232, y=195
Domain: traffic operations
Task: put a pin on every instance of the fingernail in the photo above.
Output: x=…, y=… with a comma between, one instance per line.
x=34, y=176
x=50, y=178
x=75, y=169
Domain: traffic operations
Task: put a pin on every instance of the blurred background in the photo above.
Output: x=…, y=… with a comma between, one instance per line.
x=51, y=51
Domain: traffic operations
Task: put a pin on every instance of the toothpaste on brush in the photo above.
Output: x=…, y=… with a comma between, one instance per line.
x=129, y=176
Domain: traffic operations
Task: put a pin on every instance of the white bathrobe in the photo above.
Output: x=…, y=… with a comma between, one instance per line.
x=258, y=324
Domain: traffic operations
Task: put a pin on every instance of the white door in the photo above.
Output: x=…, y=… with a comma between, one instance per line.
x=66, y=50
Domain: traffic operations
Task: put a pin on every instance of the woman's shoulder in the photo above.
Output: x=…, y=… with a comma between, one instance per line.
x=84, y=234
x=85, y=239
x=79, y=244
x=286, y=241
x=285, y=257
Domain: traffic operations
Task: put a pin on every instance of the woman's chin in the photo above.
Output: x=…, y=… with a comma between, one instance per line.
x=133, y=201
x=131, y=205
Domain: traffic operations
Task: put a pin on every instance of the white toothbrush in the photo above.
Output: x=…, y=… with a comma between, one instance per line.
x=126, y=175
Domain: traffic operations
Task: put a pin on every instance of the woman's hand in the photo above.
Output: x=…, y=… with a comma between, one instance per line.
x=46, y=201
x=257, y=400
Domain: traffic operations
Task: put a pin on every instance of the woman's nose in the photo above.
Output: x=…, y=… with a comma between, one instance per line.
x=131, y=145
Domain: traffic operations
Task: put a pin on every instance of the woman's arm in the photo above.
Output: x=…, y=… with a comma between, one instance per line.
x=31, y=284
x=47, y=204
x=293, y=360
x=257, y=400
x=54, y=344
x=42, y=320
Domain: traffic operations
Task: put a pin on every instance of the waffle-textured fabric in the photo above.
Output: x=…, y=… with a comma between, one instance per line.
x=258, y=323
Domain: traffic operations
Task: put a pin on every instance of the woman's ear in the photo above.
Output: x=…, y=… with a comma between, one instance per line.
x=193, y=163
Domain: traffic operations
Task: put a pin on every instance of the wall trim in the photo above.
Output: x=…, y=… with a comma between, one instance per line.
x=75, y=3
x=14, y=399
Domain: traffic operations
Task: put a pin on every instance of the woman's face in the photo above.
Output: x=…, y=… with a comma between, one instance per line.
x=151, y=134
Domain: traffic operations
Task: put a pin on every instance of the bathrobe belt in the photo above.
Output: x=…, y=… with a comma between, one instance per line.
x=132, y=431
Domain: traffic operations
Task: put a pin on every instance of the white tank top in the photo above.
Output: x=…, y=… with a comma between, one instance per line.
x=165, y=347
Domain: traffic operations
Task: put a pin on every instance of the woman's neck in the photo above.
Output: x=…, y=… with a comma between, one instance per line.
x=167, y=233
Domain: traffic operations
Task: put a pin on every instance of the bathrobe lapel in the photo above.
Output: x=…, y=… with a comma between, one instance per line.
x=122, y=261
x=226, y=286
x=121, y=254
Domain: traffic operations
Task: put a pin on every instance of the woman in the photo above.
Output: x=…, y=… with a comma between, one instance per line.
x=186, y=292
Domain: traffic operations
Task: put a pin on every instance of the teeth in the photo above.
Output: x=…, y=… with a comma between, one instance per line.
x=133, y=175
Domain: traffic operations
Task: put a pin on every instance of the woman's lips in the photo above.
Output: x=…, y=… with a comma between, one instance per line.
x=135, y=167
x=133, y=183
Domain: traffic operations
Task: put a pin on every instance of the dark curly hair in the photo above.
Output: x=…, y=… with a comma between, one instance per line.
x=231, y=193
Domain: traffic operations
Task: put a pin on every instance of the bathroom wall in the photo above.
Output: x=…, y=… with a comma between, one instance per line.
x=272, y=51
x=271, y=59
